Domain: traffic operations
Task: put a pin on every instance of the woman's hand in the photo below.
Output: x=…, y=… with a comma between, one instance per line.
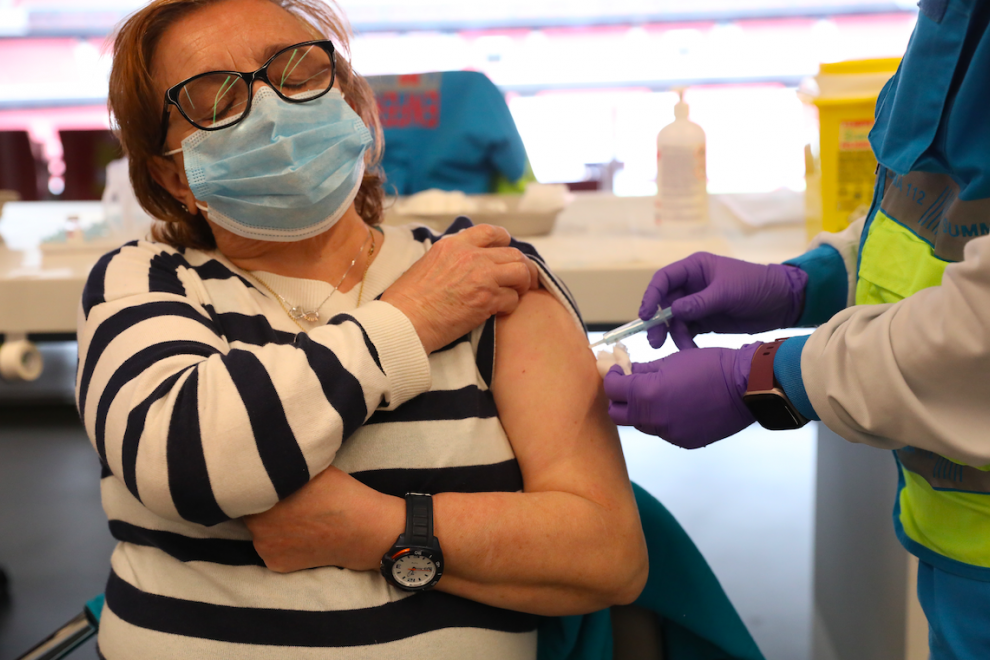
x=464, y=279
x=334, y=520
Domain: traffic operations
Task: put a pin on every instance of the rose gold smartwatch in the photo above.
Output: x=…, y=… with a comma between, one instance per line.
x=764, y=396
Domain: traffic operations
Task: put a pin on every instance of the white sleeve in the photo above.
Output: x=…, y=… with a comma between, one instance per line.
x=207, y=425
x=846, y=243
x=915, y=372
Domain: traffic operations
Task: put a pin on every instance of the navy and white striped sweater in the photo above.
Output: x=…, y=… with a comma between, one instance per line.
x=206, y=403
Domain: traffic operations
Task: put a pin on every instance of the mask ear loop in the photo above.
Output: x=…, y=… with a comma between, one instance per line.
x=172, y=153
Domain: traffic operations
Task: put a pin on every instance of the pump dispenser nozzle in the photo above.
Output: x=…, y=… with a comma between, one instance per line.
x=680, y=108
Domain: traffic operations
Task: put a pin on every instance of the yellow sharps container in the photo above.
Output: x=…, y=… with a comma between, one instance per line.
x=846, y=97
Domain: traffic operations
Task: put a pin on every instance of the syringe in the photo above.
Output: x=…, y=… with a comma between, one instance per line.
x=633, y=327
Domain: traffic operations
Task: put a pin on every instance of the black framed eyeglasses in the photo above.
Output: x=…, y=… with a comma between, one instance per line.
x=216, y=100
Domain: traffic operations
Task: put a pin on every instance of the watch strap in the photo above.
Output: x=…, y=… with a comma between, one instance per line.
x=761, y=370
x=419, y=519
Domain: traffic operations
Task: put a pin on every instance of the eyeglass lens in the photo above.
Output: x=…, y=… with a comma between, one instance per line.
x=219, y=98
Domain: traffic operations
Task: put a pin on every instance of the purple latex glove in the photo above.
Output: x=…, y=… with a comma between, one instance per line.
x=690, y=399
x=708, y=293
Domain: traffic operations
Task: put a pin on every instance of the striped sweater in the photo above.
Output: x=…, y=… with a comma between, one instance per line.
x=206, y=403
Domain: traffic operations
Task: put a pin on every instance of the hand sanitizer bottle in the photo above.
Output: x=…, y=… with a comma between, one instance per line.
x=682, y=182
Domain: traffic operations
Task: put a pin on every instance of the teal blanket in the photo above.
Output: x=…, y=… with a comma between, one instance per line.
x=698, y=621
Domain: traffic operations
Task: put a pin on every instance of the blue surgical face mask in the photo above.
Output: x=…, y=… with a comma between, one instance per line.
x=287, y=172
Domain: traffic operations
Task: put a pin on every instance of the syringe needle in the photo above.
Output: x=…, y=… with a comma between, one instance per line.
x=634, y=327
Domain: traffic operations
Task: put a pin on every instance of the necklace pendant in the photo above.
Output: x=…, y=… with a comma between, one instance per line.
x=298, y=313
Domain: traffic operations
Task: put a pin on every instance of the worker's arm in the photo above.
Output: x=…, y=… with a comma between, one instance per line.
x=915, y=372
x=830, y=263
x=571, y=542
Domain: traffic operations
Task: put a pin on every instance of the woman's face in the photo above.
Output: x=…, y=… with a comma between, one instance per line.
x=234, y=35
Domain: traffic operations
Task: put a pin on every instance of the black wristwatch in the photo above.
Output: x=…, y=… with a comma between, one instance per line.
x=764, y=396
x=415, y=562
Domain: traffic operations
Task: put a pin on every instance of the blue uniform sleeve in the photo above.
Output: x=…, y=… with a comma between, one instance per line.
x=828, y=284
x=787, y=371
x=506, y=150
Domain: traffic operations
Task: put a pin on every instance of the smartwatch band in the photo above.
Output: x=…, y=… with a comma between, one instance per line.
x=419, y=519
x=761, y=371
x=765, y=397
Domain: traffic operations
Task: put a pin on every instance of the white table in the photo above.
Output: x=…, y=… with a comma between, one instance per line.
x=40, y=293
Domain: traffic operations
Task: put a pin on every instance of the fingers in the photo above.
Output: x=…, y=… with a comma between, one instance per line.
x=484, y=236
x=506, y=301
x=665, y=280
x=646, y=367
x=657, y=335
x=497, y=241
x=655, y=295
x=617, y=384
x=697, y=306
x=631, y=396
x=534, y=274
x=682, y=335
x=512, y=255
x=517, y=276
x=504, y=255
x=619, y=412
x=620, y=389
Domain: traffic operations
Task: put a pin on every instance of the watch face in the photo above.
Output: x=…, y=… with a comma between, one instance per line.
x=773, y=412
x=414, y=570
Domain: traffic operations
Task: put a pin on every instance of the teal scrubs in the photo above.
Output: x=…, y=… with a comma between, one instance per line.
x=450, y=130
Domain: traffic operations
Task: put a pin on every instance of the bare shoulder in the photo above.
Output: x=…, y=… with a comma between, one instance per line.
x=550, y=398
x=541, y=323
x=545, y=377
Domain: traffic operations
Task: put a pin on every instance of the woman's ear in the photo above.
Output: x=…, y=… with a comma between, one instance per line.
x=169, y=173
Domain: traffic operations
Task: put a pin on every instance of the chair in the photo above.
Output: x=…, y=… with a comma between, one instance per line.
x=87, y=154
x=69, y=637
x=20, y=170
x=637, y=633
x=682, y=614
x=449, y=130
x=8, y=196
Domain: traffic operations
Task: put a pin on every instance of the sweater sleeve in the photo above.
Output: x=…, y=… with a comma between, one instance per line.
x=203, y=424
x=913, y=372
x=830, y=263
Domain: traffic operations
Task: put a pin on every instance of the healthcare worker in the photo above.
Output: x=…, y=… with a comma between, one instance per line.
x=901, y=357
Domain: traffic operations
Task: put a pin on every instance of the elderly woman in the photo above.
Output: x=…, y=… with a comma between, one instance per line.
x=272, y=380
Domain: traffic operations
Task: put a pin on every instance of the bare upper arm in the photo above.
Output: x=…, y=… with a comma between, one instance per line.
x=552, y=405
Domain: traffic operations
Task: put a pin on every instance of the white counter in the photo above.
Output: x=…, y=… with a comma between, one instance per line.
x=40, y=293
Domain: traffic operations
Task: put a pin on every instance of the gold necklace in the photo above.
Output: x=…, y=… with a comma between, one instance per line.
x=297, y=313
x=367, y=265
x=281, y=304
